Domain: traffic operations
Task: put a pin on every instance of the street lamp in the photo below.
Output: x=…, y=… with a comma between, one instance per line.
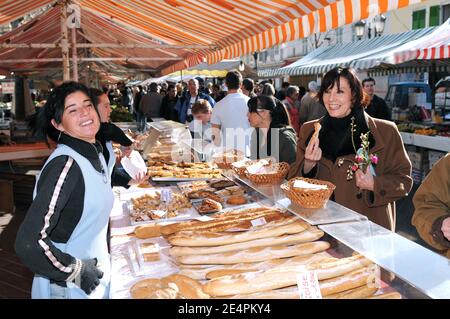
x=380, y=22
x=359, y=28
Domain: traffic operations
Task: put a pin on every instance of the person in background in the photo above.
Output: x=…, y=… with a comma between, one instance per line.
x=229, y=120
x=432, y=207
x=163, y=89
x=281, y=94
x=301, y=92
x=273, y=135
x=137, y=111
x=268, y=90
x=293, y=105
x=150, y=104
x=377, y=107
x=330, y=155
x=109, y=133
x=202, y=112
x=310, y=106
x=248, y=88
x=63, y=236
x=208, y=88
x=185, y=103
x=168, y=104
x=217, y=93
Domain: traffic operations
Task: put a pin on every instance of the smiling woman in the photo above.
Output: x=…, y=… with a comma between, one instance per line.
x=63, y=235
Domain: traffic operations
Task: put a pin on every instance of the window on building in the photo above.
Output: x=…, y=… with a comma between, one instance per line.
x=418, y=19
x=435, y=12
x=445, y=12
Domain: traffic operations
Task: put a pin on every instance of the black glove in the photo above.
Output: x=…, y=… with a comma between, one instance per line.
x=90, y=276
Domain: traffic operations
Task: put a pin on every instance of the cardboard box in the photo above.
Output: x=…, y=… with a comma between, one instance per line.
x=419, y=159
x=433, y=157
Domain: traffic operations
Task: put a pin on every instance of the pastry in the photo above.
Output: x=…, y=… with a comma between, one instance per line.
x=209, y=206
x=221, y=183
x=237, y=200
x=317, y=128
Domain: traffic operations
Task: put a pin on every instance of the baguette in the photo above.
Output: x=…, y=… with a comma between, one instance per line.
x=221, y=271
x=255, y=254
x=351, y=280
x=148, y=231
x=364, y=291
x=289, y=225
x=389, y=295
x=284, y=293
x=309, y=235
x=287, y=276
x=220, y=222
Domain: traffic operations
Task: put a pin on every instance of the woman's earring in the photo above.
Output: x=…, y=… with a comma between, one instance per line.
x=59, y=136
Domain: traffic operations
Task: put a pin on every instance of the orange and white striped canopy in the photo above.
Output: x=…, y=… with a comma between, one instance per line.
x=225, y=28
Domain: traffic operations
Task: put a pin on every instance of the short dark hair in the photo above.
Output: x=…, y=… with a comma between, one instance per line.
x=171, y=86
x=153, y=87
x=201, y=106
x=285, y=85
x=291, y=90
x=54, y=109
x=248, y=84
x=369, y=79
x=233, y=79
x=94, y=94
x=332, y=78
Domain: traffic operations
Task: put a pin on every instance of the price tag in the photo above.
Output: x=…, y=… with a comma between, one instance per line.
x=308, y=285
x=303, y=184
x=159, y=213
x=166, y=195
x=258, y=222
x=204, y=218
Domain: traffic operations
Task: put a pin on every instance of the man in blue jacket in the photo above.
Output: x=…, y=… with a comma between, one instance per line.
x=185, y=103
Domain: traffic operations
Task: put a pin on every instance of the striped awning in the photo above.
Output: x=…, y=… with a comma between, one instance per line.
x=206, y=30
x=363, y=54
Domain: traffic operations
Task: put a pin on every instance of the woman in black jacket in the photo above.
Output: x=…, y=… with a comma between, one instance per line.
x=274, y=135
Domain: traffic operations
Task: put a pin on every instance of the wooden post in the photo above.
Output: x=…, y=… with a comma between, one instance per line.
x=65, y=43
x=74, y=55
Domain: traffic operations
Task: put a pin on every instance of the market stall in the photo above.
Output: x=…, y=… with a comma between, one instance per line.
x=198, y=231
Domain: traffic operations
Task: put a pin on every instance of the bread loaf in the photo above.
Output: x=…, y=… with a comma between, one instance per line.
x=148, y=231
x=281, y=277
x=309, y=235
x=364, y=291
x=221, y=222
x=351, y=280
x=289, y=225
x=255, y=254
x=170, y=287
x=389, y=295
x=284, y=293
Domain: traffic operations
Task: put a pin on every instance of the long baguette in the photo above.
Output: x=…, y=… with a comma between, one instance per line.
x=309, y=235
x=220, y=223
x=285, y=277
x=389, y=295
x=255, y=254
x=364, y=291
x=289, y=225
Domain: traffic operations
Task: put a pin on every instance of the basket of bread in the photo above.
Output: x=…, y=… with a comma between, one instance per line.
x=266, y=172
x=307, y=192
x=240, y=167
x=225, y=159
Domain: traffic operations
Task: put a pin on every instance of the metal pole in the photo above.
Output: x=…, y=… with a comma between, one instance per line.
x=103, y=45
x=74, y=55
x=90, y=59
x=65, y=43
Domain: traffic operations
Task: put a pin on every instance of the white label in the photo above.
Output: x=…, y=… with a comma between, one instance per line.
x=240, y=163
x=159, y=213
x=8, y=87
x=166, y=195
x=204, y=218
x=258, y=222
x=255, y=168
x=308, y=285
x=303, y=184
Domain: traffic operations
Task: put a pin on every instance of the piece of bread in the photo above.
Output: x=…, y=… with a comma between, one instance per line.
x=389, y=295
x=285, y=276
x=288, y=225
x=170, y=287
x=254, y=254
x=221, y=183
x=317, y=128
x=209, y=206
x=309, y=235
x=237, y=200
x=362, y=292
x=148, y=231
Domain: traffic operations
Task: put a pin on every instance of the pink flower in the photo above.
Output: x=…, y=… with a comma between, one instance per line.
x=359, y=158
x=374, y=159
x=354, y=168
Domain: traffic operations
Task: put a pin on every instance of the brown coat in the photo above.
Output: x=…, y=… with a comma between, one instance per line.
x=393, y=173
x=432, y=206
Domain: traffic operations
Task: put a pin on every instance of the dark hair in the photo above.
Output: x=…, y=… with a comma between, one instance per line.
x=54, y=109
x=285, y=85
x=201, y=106
x=233, y=79
x=291, y=90
x=248, y=84
x=94, y=94
x=268, y=89
x=216, y=86
x=332, y=78
x=278, y=112
x=369, y=79
x=153, y=87
x=170, y=87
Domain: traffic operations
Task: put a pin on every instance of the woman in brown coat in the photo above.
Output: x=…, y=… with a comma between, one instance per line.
x=331, y=155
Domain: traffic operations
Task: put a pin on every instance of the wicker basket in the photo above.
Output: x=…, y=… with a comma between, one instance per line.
x=308, y=198
x=241, y=170
x=225, y=159
x=280, y=171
